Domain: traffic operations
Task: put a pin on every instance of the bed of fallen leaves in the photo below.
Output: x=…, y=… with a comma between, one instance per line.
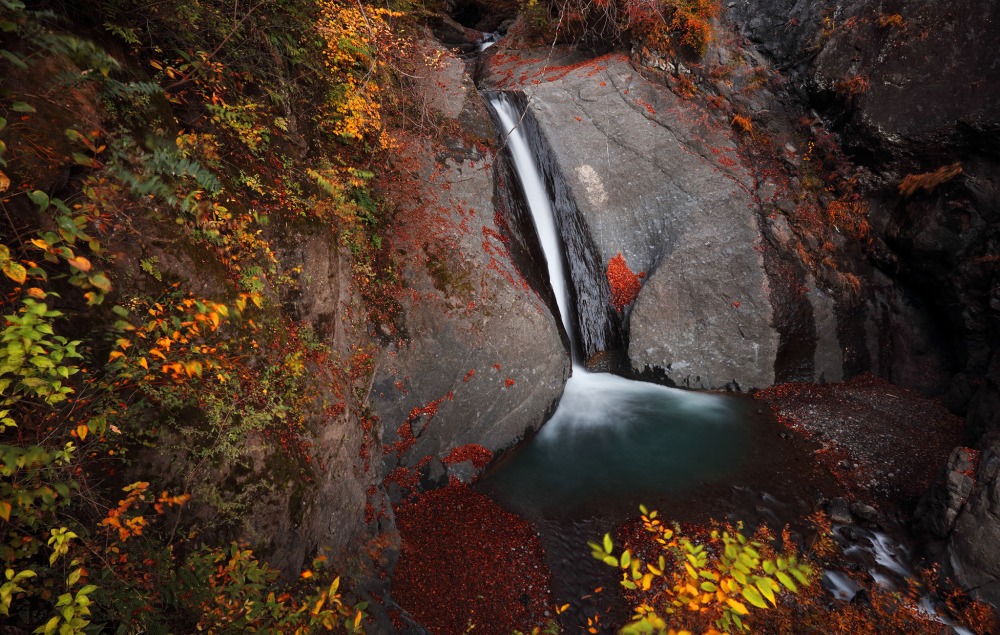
x=467, y=564
x=881, y=441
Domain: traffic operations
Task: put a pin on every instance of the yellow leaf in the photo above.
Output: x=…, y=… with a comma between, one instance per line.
x=15, y=272
x=115, y=355
x=143, y=363
x=739, y=607
x=81, y=431
x=80, y=263
x=4, y=182
x=357, y=619
x=306, y=574
x=5, y=509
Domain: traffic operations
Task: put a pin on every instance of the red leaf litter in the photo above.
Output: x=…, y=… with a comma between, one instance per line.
x=466, y=561
x=479, y=456
x=624, y=283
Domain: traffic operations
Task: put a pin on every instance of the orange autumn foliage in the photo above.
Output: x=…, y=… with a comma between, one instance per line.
x=927, y=181
x=624, y=283
x=358, y=38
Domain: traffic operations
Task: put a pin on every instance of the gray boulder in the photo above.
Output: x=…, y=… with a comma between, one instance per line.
x=963, y=511
x=479, y=358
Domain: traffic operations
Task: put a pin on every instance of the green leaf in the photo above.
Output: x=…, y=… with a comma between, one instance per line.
x=799, y=575
x=82, y=159
x=14, y=59
x=739, y=576
x=626, y=559
x=787, y=581
x=611, y=561
x=608, y=545
x=764, y=585
x=101, y=281
x=20, y=106
x=41, y=199
x=753, y=597
x=50, y=626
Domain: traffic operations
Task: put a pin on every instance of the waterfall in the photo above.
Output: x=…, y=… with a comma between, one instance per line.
x=542, y=212
x=610, y=436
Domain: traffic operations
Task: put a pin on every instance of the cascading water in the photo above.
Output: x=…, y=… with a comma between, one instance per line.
x=610, y=438
x=540, y=206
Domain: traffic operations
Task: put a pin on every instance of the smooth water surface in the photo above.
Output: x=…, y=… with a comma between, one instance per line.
x=613, y=440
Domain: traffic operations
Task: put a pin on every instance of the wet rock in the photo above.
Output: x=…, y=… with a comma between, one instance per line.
x=984, y=410
x=839, y=511
x=908, y=97
x=463, y=472
x=651, y=182
x=864, y=512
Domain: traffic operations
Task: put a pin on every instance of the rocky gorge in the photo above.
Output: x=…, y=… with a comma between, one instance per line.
x=736, y=276
x=801, y=210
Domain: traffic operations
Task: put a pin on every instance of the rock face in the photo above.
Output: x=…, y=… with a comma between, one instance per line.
x=637, y=171
x=914, y=74
x=917, y=101
x=913, y=94
x=482, y=360
x=963, y=512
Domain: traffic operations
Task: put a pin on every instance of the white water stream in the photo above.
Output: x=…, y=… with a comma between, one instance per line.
x=540, y=205
x=589, y=396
